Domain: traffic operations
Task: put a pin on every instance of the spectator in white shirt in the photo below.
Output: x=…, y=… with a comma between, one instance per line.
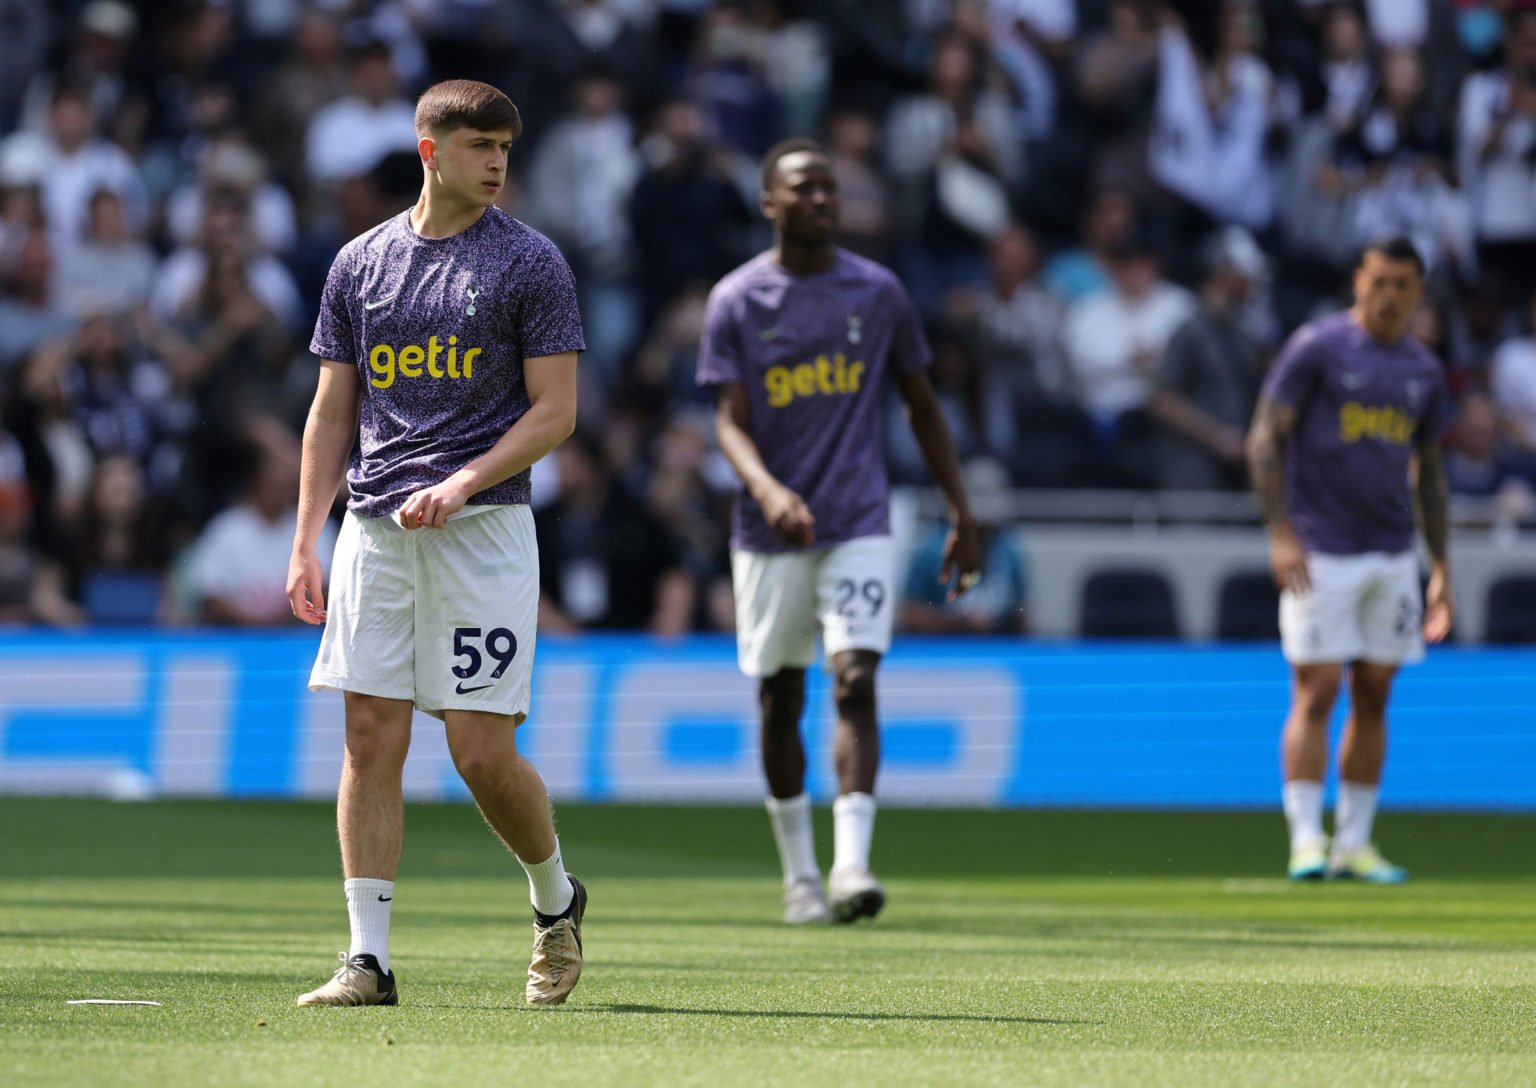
x=1115, y=339
x=226, y=225
x=239, y=567
x=1514, y=388
x=229, y=161
x=1497, y=156
x=348, y=137
x=109, y=270
x=72, y=163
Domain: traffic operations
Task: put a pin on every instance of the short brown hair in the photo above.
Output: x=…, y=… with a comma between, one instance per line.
x=465, y=103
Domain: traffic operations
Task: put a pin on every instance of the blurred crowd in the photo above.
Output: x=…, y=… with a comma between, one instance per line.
x=1109, y=212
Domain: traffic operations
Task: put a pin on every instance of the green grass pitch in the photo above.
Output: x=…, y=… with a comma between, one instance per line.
x=1019, y=948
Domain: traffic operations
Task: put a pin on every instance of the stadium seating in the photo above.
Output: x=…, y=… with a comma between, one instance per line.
x=1512, y=609
x=1248, y=607
x=1128, y=603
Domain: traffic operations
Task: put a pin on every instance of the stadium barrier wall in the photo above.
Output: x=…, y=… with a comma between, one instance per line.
x=967, y=722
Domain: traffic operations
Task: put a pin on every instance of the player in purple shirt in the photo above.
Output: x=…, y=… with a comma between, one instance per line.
x=798, y=343
x=1349, y=407
x=449, y=337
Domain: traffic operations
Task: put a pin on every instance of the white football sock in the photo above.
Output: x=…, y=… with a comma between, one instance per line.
x=368, y=905
x=1304, y=812
x=853, y=826
x=791, y=820
x=548, y=886
x=1353, y=816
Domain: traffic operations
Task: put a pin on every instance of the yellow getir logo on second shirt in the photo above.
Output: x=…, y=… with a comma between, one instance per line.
x=436, y=360
x=823, y=378
x=1384, y=422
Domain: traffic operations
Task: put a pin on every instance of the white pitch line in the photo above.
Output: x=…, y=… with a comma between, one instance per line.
x=110, y=1001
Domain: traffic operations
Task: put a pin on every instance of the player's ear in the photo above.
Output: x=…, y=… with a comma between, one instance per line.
x=426, y=147
x=767, y=205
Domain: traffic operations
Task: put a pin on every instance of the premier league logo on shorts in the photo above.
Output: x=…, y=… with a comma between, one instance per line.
x=473, y=292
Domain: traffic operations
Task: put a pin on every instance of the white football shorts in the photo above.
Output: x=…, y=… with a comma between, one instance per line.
x=442, y=617
x=783, y=599
x=1365, y=607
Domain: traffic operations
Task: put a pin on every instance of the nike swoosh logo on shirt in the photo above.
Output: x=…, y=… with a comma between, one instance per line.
x=766, y=335
x=375, y=303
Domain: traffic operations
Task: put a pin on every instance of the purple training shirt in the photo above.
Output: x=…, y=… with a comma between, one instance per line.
x=438, y=329
x=1361, y=406
x=812, y=352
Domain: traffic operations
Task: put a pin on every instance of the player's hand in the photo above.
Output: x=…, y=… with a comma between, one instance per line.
x=306, y=587
x=962, y=556
x=1439, y=606
x=429, y=508
x=789, y=517
x=1288, y=563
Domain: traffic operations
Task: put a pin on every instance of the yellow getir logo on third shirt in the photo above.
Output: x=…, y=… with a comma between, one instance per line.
x=436, y=360
x=823, y=378
x=1384, y=422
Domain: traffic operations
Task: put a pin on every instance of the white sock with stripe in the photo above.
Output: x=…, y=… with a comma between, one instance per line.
x=368, y=906
x=548, y=887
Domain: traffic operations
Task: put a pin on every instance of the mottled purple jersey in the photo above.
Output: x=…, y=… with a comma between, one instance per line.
x=1361, y=406
x=438, y=329
x=812, y=352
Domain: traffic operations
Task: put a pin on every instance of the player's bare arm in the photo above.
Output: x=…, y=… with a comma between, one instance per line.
x=784, y=510
x=1439, y=607
x=1272, y=424
x=329, y=432
x=961, y=568
x=549, y=421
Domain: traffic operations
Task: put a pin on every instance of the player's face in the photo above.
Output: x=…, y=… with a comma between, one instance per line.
x=803, y=200
x=1387, y=291
x=470, y=164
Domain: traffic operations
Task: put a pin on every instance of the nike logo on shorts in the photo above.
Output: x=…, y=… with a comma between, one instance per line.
x=375, y=303
x=462, y=690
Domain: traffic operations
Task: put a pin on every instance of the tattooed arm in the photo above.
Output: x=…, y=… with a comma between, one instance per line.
x=1439, y=608
x=1273, y=423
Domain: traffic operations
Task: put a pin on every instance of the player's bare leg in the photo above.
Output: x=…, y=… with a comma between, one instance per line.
x=1362, y=753
x=370, y=823
x=781, y=697
x=852, y=888
x=1304, y=757
x=512, y=798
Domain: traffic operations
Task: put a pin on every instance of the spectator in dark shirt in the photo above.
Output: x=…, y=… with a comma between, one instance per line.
x=689, y=218
x=1208, y=383
x=603, y=561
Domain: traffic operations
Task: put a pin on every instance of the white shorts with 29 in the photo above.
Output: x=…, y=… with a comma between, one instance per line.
x=783, y=599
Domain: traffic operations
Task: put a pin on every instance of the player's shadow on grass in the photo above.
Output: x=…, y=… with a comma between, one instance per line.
x=774, y=1014
x=798, y=1014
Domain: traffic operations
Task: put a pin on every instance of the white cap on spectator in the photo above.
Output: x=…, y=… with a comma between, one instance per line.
x=110, y=19
x=1233, y=249
x=23, y=160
